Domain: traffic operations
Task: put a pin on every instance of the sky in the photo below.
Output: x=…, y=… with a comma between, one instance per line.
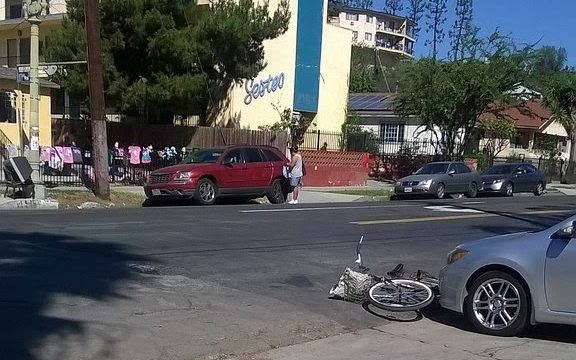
x=549, y=22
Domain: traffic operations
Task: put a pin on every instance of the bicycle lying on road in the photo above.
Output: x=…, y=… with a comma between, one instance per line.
x=392, y=292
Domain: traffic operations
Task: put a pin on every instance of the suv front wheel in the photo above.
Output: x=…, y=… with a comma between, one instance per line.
x=205, y=192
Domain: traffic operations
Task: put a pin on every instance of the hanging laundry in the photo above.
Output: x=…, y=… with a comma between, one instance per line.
x=77, y=155
x=67, y=156
x=12, y=150
x=46, y=153
x=134, y=154
x=146, y=158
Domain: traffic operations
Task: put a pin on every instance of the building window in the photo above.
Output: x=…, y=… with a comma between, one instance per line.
x=7, y=106
x=368, y=36
x=369, y=19
x=15, y=11
x=392, y=132
x=355, y=35
x=352, y=17
x=11, y=53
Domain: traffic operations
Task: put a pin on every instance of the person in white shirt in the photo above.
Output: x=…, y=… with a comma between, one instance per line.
x=295, y=174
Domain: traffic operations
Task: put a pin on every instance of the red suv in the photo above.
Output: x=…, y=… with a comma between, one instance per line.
x=245, y=171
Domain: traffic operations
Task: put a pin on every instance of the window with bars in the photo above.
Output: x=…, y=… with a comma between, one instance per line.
x=392, y=132
x=368, y=36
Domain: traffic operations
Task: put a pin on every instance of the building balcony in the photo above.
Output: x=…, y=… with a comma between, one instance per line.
x=396, y=48
x=381, y=28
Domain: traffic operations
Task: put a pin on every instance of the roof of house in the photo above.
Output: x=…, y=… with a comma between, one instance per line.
x=371, y=102
x=531, y=114
x=12, y=74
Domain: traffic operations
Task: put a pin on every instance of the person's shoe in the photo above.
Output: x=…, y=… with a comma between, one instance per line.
x=291, y=202
x=294, y=202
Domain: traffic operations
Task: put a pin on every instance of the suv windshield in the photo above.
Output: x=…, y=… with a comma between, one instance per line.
x=432, y=169
x=203, y=156
x=500, y=170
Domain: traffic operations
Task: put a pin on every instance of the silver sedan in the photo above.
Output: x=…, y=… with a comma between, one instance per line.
x=439, y=179
x=504, y=283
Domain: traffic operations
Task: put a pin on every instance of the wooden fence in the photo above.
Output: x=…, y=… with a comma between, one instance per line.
x=64, y=131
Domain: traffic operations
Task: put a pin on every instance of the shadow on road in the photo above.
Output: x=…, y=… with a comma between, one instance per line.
x=189, y=202
x=549, y=332
x=402, y=316
x=38, y=268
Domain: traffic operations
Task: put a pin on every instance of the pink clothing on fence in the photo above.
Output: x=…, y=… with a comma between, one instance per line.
x=68, y=157
x=134, y=154
x=59, y=152
x=46, y=153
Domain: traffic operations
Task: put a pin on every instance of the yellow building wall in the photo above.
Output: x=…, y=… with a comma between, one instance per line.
x=23, y=104
x=23, y=32
x=280, y=56
x=334, y=78
x=281, y=59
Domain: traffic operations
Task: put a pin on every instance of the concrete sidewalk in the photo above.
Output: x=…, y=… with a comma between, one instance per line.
x=420, y=340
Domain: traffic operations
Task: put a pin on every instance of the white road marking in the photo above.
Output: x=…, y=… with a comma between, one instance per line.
x=448, y=208
x=474, y=202
x=323, y=208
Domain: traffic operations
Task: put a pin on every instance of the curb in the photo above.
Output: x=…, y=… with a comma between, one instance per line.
x=29, y=204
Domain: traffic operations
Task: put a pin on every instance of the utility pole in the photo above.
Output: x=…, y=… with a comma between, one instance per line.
x=97, y=104
x=34, y=9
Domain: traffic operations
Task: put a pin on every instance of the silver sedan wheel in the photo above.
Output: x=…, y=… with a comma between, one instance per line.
x=496, y=304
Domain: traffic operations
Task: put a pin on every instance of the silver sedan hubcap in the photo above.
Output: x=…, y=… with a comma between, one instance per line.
x=206, y=192
x=539, y=189
x=509, y=189
x=496, y=304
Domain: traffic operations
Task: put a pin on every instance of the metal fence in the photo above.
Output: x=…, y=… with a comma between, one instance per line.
x=370, y=142
x=82, y=174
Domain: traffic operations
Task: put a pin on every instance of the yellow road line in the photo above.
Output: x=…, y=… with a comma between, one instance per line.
x=454, y=217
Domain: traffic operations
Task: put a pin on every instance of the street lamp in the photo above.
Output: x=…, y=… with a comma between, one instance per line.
x=33, y=10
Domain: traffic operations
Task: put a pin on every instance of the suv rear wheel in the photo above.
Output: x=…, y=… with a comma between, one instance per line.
x=276, y=194
x=206, y=192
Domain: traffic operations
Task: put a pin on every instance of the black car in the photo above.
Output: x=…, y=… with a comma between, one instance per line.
x=510, y=178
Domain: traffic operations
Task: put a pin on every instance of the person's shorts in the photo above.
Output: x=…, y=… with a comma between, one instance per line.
x=296, y=181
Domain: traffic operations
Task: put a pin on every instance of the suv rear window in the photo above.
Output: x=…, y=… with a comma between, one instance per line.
x=252, y=155
x=270, y=155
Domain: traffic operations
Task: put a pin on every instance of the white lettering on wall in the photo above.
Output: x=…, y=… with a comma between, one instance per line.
x=257, y=89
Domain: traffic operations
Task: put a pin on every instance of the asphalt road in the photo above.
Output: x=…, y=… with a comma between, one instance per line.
x=188, y=282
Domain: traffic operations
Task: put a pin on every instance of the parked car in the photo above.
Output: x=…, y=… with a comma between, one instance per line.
x=239, y=171
x=511, y=178
x=504, y=283
x=439, y=179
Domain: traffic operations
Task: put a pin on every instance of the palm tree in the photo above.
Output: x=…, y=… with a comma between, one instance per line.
x=560, y=98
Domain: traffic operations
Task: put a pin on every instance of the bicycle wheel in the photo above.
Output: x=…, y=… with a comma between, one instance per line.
x=400, y=295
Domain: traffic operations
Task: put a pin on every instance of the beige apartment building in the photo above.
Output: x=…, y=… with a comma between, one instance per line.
x=389, y=33
x=14, y=86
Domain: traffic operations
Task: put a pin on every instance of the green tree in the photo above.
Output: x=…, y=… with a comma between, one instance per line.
x=497, y=133
x=461, y=28
x=393, y=6
x=362, y=79
x=544, y=64
x=560, y=97
x=448, y=97
x=415, y=11
x=436, y=17
x=296, y=125
x=169, y=55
